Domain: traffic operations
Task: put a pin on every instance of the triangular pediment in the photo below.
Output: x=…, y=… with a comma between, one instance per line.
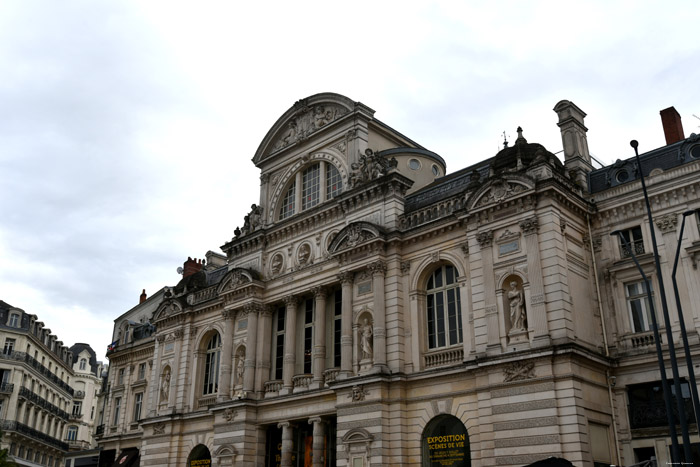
x=303, y=120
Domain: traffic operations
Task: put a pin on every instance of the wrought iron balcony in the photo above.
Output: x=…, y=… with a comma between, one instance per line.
x=6, y=388
x=32, y=362
x=653, y=414
x=41, y=402
x=636, y=246
x=17, y=427
x=100, y=430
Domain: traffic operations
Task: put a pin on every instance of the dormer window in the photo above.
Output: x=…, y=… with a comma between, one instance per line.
x=14, y=320
x=311, y=186
x=83, y=364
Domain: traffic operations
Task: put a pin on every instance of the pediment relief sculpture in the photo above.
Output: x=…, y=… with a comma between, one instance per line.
x=499, y=191
x=307, y=121
x=370, y=166
x=169, y=308
x=353, y=235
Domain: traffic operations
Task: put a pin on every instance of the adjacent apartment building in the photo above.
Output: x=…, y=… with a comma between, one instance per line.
x=374, y=309
x=47, y=393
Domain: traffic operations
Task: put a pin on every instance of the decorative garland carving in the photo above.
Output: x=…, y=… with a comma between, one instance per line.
x=519, y=370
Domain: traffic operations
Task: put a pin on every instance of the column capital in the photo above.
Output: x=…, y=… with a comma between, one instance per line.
x=250, y=309
x=319, y=292
x=529, y=226
x=314, y=420
x=484, y=238
x=228, y=314
x=264, y=309
x=291, y=300
x=285, y=425
x=346, y=277
x=377, y=268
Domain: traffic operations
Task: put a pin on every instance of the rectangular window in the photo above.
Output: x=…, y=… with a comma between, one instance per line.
x=9, y=346
x=310, y=186
x=647, y=408
x=77, y=408
x=117, y=408
x=120, y=376
x=634, y=240
x=308, y=334
x=334, y=182
x=337, y=329
x=142, y=371
x=72, y=434
x=138, y=401
x=638, y=305
x=279, y=343
x=14, y=320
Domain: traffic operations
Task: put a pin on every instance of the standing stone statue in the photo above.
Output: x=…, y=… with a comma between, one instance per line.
x=516, y=298
x=366, y=342
x=165, y=387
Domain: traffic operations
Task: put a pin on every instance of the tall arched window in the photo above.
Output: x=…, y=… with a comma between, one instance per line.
x=309, y=187
x=444, y=317
x=211, y=365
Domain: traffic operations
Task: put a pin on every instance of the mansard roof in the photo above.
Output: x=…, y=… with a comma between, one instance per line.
x=664, y=158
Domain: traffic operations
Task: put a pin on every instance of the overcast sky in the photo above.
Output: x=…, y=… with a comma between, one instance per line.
x=127, y=128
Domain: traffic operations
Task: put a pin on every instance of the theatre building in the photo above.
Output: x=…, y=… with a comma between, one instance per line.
x=374, y=309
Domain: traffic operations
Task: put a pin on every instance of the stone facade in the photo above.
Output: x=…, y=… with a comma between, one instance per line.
x=47, y=392
x=371, y=310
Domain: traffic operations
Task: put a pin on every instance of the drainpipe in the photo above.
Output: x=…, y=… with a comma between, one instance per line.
x=608, y=378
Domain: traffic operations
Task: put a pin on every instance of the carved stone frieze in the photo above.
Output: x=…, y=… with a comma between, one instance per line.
x=307, y=121
x=667, y=223
x=358, y=393
x=517, y=371
x=158, y=428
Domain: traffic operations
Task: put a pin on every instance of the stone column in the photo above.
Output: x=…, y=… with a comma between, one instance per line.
x=176, y=372
x=287, y=443
x=485, y=240
x=346, y=326
x=226, y=356
x=251, y=346
x=378, y=269
x=319, y=351
x=536, y=309
x=318, y=443
x=290, y=331
x=154, y=386
x=262, y=353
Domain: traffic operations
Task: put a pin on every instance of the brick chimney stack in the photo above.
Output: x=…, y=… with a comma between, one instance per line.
x=673, y=128
x=143, y=296
x=192, y=266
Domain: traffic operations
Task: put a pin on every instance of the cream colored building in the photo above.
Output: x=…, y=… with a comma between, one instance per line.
x=42, y=395
x=374, y=309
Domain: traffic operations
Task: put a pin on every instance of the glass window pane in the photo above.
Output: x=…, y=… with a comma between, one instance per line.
x=334, y=182
x=440, y=311
x=431, y=322
x=288, y=202
x=310, y=187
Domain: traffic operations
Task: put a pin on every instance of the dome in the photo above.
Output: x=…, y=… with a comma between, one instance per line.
x=522, y=154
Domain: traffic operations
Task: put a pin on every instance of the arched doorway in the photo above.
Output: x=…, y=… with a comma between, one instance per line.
x=199, y=457
x=445, y=443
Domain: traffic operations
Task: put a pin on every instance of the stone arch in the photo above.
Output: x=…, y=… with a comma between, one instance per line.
x=328, y=155
x=431, y=262
x=199, y=453
x=498, y=189
x=445, y=441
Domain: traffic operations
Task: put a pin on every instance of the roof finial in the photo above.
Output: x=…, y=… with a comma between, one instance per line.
x=521, y=139
x=505, y=141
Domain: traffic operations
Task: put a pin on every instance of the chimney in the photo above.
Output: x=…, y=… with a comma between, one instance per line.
x=192, y=266
x=673, y=128
x=143, y=296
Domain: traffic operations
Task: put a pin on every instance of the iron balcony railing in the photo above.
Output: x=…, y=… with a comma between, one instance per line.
x=31, y=361
x=653, y=414
x=17, y=427
x=41, y=402
x=6, y=388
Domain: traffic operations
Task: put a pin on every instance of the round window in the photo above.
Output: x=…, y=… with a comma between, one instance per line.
x=436, y=171
x=622, y=176
x=695, y=152
x=413, y=164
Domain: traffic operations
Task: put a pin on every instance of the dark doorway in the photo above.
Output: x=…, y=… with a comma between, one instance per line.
x=445, y=443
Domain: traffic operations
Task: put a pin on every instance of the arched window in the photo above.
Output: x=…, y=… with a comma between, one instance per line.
x=316, y=183
x=83, y=364
x=72, y=433
x=211, y=365
x=444, y=317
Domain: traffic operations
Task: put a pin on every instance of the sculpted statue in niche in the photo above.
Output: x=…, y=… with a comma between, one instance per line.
x=303, y=254
x=366, y=331
x=165, y=386
x=516, y=300
x=276, y=264
x=240, y=368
